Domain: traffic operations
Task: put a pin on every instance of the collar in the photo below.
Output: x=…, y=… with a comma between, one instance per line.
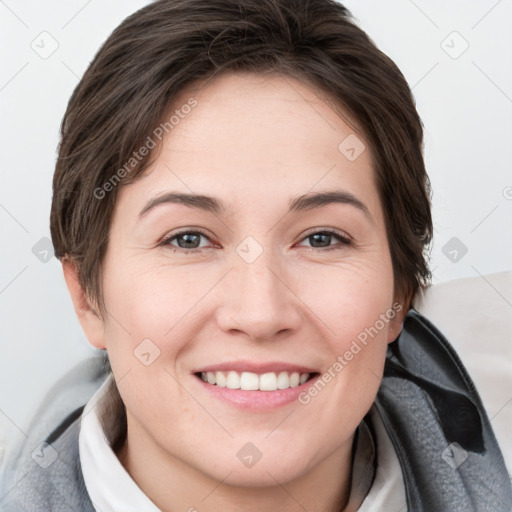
x=109, y=485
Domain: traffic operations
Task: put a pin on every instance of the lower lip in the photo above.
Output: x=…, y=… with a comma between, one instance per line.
x=256, y=400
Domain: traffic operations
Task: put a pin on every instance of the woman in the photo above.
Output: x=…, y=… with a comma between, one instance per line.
x=242, y=213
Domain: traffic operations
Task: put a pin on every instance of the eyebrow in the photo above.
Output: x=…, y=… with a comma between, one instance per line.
x=297, y=204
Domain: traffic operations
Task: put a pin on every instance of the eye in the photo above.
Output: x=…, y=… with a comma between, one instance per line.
x=187, y=241
x=324, y=237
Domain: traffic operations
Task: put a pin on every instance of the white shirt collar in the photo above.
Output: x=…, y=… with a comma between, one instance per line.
x=388, y=488
x=109, y=485
x=111, y=488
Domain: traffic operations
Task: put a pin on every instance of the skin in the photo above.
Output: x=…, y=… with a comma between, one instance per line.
x=255, y=143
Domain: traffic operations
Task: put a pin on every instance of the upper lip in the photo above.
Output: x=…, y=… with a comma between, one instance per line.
x=254, y=367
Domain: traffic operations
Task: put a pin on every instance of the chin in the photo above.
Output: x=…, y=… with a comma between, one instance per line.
x=250, y=466
x=267, y=474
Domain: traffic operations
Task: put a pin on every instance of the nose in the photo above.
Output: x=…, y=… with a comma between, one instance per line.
x=258, y=300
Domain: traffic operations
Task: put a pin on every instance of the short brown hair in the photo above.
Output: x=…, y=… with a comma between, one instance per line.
x=154, y=53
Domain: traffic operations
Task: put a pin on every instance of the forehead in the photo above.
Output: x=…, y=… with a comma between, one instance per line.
x=264, y=138
x=264, y=115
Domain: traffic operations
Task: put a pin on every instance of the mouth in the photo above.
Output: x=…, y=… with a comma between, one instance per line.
x=252, y=381
x=255, y=386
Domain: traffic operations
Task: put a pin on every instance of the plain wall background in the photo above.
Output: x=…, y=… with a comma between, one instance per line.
x=464, y=96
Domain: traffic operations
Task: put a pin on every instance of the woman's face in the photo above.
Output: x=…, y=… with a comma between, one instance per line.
x=255, y=287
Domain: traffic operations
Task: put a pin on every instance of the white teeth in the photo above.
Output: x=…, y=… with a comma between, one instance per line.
x=268, y=382
x=221, y=379
x=249, y=381
x=283, y=381
x=233, y=380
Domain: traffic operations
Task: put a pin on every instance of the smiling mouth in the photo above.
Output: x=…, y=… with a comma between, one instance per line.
x=248, y=381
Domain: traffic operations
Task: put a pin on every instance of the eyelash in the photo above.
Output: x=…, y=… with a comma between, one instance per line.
x=344, y=240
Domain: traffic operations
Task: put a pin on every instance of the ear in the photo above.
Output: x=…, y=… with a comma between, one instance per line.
x=400, y=308
x=87, y=313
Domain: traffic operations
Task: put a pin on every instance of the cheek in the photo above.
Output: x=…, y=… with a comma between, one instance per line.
x=147, y=333
x=148, y=301
x=151, y=328
x=350, y=298
x=356, y=307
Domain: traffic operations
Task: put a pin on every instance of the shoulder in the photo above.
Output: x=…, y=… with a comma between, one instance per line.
x=49, y=477
x=475, y=315
x=433, y=408
x=44, y=472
